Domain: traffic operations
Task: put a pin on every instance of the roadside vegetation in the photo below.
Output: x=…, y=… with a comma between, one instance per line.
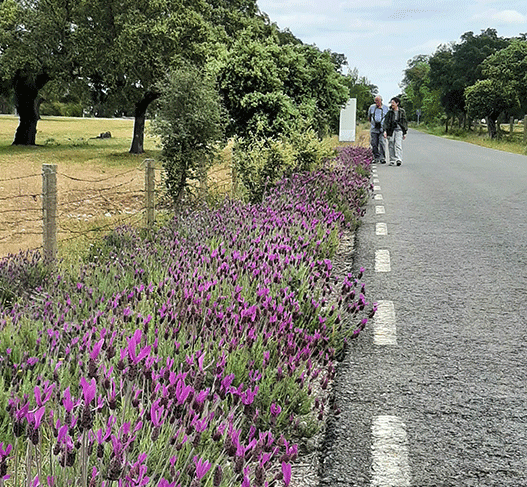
x=198, y=352
x=507, y=141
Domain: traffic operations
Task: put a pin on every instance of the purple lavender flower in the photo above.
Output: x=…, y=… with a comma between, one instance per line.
x=202, y=467
x=275, y=410
x=286, y=471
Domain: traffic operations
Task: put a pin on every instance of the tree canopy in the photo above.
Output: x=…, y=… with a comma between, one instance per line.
x=189, y=124
x=458, y=74
x=268, y=88
x=37, y=44
x=129, y=47
x=108, y=58
x=509, y=67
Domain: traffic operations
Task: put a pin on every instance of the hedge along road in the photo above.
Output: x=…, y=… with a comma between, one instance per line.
x=434, y=393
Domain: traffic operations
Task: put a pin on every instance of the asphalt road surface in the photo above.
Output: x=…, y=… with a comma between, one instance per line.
x=434, y=393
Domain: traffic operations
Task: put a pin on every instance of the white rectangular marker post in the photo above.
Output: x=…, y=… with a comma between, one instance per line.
x=348, y=121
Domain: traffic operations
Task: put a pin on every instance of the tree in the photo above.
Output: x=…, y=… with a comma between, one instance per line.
x=129, y=46
x=190, y=124
x=269, y=88
x=487, y=99
x=456, y=66
x=509, y=66
x=415, y=84
x=37, y=44
x=360, y=88
x=417, y=91
x=441, y=76
x=326, y=88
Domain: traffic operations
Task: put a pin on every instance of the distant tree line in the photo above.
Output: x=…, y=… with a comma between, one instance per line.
x=480, y=77
x=108, y=58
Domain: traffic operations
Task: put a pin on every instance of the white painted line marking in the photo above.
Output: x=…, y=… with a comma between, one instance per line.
x=379, y=210
x=384, y=330
x=378, y=196
x=376, y=188
x=375, y=180
x=381, y=229
x=382, y=261
x=390, y=467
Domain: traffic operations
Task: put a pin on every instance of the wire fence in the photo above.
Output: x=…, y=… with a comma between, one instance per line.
x=85, y=205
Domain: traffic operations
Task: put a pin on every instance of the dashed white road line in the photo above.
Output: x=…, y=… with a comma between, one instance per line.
x=382, y=261
x=381, y=229
x=390, y=466
x=384, y=328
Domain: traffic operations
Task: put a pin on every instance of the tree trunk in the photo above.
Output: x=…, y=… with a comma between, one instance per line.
x=139, y=122
x=491, y=126
x=27, y=104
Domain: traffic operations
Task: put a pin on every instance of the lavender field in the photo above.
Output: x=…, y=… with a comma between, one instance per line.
x=195, y=354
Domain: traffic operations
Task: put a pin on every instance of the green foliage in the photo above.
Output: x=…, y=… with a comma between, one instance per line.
x=417, y=92
x=60, y=109
x=362, y=90
x=509, y=66
x=129, y=46
x=487, y=99
x=189, y=123
x=261, y=163
x=456, y=66
x=270, y=90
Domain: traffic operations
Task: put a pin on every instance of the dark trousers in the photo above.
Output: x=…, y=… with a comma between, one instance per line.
x=377, y=145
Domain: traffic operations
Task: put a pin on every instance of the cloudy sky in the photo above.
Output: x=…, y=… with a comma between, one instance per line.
x=378, y=37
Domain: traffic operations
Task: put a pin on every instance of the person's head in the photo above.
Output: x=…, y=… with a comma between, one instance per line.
x=395, y=102
x=378, y=100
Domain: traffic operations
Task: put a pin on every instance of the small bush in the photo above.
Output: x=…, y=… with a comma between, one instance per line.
x=262, y=163
x=189, y=124
x=59, y=109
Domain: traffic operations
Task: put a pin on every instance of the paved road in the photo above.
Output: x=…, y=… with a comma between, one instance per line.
x=446, y=403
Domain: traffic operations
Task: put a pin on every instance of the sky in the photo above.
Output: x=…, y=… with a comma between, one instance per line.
x=379, y=37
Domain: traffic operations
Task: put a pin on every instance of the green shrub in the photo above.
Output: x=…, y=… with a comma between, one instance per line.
x=59, y=109
x=261, y=163
x=189, y=123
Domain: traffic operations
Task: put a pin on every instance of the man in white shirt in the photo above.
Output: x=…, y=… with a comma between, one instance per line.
x=376, y=114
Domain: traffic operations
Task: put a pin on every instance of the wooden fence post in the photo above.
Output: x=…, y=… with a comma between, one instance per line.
x=150, y=182
x=49, y=210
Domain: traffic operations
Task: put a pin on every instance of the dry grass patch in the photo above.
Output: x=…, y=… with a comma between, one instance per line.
x=99, y=182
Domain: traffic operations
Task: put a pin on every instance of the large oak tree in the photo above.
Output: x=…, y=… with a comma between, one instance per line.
x=37, y=44
x=131, y=45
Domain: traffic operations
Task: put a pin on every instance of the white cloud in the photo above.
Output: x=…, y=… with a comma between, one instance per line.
x=502, y=16
x=428, y=47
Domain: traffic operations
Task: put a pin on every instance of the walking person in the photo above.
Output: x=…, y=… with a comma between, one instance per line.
x=395, y=129
x=376, y=114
